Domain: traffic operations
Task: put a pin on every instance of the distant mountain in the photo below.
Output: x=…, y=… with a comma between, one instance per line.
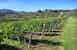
x=7, y=11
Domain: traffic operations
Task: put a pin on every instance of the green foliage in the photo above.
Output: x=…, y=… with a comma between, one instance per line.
x=16, y=27
x=70, y=31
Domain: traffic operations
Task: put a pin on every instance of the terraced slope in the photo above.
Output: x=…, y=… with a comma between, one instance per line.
x=70, y=34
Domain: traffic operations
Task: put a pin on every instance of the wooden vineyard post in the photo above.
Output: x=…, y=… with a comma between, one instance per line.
x=49, y=27
x=52, y=29
x=24, y=40
x=56, y=25
x=42, y=30
x=30, y=39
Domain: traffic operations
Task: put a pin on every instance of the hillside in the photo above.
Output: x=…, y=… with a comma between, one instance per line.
x=7, y=13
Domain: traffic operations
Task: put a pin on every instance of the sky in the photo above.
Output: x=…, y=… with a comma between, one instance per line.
x=34, y=5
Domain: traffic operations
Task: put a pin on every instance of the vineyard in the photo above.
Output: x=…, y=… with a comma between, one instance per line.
x=34, y=34
x=39, y=33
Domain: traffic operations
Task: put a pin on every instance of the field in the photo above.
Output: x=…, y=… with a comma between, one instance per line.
x=45, y=41
x=70, y=34
x=48, y=33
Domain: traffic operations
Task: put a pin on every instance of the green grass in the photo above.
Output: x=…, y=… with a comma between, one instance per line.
x=70, y=32
x=11, y=42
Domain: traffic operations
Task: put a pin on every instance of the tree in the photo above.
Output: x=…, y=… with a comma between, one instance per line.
x=39, y=11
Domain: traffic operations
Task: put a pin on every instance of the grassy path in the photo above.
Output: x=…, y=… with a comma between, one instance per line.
x=70, y=34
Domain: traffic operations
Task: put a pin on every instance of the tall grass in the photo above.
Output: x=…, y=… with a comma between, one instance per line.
x=70, y=31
